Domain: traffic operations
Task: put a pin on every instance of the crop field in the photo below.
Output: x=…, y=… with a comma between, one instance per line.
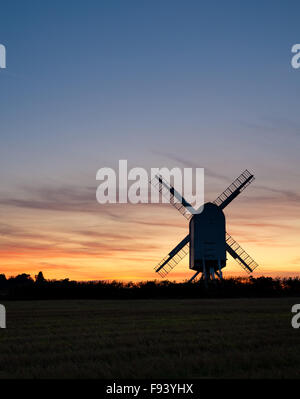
x=203, y=338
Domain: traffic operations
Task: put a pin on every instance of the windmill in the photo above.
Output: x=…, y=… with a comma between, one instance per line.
x=207, y=241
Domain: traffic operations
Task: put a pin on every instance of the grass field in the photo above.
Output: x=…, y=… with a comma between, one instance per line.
x=218, y=338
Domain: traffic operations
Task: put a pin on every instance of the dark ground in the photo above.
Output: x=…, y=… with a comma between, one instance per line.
x=188, y=338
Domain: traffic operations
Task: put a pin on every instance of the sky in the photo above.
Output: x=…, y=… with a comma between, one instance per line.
x=205, y=84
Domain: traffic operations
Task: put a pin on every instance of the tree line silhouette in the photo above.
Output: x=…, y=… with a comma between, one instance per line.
x=23, y=286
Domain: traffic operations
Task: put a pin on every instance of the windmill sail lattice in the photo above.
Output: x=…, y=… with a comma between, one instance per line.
x=174, y=257
x=240, y=255
x=234, y=189
x=170, y=193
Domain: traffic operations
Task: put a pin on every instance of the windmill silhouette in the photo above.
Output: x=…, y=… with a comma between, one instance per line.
x=207, y=241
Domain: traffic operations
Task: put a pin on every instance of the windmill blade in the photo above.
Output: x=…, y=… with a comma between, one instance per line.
x=240, y=255
x=234, y=189
x=175, y=198
x=174, y=257
x=194, y=276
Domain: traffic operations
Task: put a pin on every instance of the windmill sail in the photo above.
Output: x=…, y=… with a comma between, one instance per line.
x=174, y=257
x=240, y=255
x=234, y=189
x=169, y=192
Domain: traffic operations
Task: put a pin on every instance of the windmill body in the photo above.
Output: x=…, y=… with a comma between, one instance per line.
x=208, y=242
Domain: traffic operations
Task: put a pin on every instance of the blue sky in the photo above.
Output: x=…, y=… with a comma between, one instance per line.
x=160, y=83
x=95, y=76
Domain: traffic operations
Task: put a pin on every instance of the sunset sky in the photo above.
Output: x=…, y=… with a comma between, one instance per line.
x=159, y=83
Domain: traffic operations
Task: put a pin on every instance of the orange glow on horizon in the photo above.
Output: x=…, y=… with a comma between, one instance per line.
x=125, y=242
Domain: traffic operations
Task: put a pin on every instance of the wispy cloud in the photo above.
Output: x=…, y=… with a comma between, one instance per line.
x=191, y=164
x=289, y=195
x=59, y=198
x=274, y=124
x=62, y=225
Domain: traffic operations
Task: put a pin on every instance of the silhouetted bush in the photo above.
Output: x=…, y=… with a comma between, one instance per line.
x=24, y=287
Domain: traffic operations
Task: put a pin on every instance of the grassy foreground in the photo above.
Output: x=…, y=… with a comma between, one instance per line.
x=203, y=338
